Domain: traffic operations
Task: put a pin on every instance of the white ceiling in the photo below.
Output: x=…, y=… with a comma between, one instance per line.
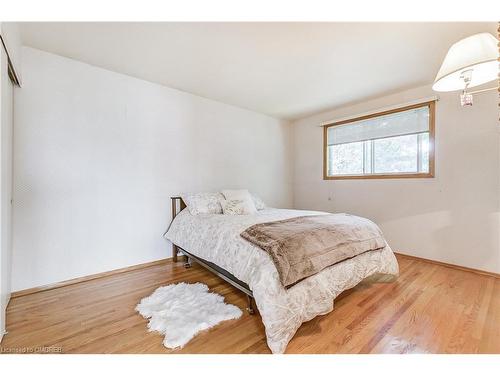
x=286, y=70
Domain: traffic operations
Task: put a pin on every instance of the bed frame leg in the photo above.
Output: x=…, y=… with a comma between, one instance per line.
x=187, y=262
x=250, y=301
x=174, y=253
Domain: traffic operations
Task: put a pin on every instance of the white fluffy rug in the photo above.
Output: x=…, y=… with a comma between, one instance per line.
x=180, y=311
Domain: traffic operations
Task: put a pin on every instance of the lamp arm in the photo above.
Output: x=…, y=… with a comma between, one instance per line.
x=483, y=90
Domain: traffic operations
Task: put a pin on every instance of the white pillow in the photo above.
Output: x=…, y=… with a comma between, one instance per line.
x=236, y=194
x=241, y=194
x=238, y=207
x=203, y=203
x=259, y=203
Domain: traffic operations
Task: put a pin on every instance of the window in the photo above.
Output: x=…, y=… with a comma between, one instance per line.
x=392, y=144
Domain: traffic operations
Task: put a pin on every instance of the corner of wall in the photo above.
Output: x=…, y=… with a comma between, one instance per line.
x=11, y=38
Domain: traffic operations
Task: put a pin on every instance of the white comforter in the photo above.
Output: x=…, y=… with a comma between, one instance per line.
x=217, y=239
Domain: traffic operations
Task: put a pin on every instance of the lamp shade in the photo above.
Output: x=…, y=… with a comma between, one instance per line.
x=477, y=53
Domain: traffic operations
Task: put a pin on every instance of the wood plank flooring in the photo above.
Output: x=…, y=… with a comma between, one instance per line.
x=429, y=309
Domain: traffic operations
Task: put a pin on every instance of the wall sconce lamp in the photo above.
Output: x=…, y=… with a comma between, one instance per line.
x=469, y=62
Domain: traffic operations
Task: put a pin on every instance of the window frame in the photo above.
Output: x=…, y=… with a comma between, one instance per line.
x=432, y=107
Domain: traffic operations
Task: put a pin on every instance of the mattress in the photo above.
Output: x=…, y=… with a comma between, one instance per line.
x=216, y=238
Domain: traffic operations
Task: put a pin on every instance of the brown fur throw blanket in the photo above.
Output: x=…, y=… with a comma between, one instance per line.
x=303, y=246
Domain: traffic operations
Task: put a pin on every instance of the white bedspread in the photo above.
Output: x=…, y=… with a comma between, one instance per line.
x=217, y=239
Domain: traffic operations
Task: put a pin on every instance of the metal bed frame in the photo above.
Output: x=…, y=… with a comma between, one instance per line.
x=177, y=206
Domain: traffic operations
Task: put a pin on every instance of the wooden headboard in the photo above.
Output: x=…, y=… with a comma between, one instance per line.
x=177, y=206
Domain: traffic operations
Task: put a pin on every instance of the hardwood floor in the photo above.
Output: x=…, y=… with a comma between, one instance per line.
x=430, y=309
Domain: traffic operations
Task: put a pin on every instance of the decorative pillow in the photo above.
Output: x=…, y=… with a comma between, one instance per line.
x=231, y=195
x=259, y=203
x=203, y=203
x=238, y=207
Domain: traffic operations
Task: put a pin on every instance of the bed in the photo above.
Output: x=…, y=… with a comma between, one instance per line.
x=214, y=241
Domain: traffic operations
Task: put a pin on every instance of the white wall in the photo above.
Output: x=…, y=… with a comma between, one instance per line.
x=6, y=123
x=453, y=217
x=98, y=154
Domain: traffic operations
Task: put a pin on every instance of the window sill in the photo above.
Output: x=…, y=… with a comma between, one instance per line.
x=379, y=176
